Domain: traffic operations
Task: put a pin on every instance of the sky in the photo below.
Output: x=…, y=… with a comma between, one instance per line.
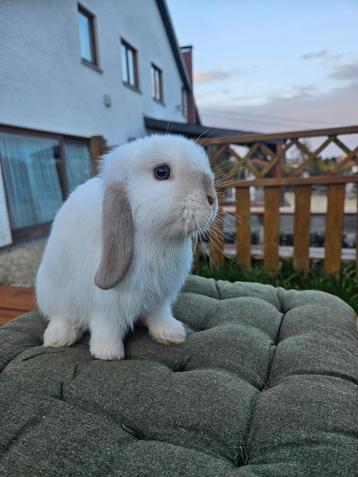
x=272, y=65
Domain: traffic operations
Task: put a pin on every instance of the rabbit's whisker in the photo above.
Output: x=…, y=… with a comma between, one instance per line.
x=201, y=135
x=219, y=249
x=207, y=256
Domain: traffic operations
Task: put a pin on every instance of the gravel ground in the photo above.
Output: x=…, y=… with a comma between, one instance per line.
x=19, y=264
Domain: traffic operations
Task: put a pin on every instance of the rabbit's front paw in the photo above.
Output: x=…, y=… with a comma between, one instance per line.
x=61, y=332
x=167, y=331
x=106, y=350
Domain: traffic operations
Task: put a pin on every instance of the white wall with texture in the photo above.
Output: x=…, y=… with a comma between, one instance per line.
x=45, y=86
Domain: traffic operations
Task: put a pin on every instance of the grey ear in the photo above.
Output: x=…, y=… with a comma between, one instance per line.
x=117, y=237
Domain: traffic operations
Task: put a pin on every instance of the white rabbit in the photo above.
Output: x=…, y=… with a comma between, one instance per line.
x=120, y=247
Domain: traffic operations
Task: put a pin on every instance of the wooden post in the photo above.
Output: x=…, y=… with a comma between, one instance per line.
x=97, y=146
x=301, y=230
x=217, y=237
x=334, y=228
x=357, y=234
x=277, y=170
x=243, y=227
x=271, y=228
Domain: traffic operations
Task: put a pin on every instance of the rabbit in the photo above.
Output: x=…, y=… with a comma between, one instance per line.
x=120, y=247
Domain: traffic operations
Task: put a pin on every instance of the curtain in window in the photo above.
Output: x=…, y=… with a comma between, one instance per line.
x=78, y=163
x=31, y=178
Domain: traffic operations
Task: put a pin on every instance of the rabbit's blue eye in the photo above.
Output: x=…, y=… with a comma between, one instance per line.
x=162, y=172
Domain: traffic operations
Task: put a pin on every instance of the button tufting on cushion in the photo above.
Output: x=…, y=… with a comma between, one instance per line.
x=266, y=383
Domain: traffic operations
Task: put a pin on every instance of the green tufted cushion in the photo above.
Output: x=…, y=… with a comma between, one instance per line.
x=266, y=384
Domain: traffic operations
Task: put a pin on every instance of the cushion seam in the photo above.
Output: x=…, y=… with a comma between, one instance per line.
x=275, y=343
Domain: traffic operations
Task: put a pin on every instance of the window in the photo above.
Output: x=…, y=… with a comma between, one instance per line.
x=129, y=62
x=39, y=170
x=157, y=84
x=32, y=183
x=184, y=102
x=87, y=36
x=78, y=163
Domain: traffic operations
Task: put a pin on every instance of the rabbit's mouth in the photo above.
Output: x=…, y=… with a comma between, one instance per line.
x=198, y=214
x=192, y=214
x=191, y=218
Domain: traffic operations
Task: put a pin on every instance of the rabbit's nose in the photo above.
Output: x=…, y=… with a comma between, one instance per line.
x=210, y=199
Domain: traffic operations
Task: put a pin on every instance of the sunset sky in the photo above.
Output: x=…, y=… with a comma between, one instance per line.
x=272, y=65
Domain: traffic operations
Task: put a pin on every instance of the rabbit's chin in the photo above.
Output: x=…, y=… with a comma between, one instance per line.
x=187, y=227
x=198, y=221
x=193, y=215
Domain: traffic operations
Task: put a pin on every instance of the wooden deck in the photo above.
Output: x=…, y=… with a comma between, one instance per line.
x=15, y=301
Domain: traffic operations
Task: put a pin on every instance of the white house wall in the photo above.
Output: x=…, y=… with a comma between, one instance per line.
x=45, y=86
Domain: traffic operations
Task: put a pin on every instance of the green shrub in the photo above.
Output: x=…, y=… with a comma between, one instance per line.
x=343, y=285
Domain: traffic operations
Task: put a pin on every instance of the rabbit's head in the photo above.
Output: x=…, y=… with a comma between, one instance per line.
x=159, y=186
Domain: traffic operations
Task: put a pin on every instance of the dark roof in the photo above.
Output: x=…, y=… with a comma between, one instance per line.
x=191, y=130
x=168, y=25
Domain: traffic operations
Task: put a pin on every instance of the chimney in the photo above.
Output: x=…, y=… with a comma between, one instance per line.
x=187, y=55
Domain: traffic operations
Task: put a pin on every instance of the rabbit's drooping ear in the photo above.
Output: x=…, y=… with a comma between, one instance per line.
x=117, y=237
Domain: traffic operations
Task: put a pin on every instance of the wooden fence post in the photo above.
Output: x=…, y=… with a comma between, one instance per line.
x=334, y=228
x=243, y=227
x=357, y=234
x=217, y=237
x=301, y=230
x=97, y=147
x=271, y=228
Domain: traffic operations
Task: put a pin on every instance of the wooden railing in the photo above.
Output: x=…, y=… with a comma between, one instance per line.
x=98, y=147
x=274, y=172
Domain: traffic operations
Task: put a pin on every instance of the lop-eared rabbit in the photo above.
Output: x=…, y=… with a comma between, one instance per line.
x=120, y=247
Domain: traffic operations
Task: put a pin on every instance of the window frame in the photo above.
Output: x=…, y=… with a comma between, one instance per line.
x=128, y=47
x=32, y=232
x=93, y=37
x=157, y=73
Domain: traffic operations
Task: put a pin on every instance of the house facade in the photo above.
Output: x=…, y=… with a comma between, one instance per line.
x=73, y=70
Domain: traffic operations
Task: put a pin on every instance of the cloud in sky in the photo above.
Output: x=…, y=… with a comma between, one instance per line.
x=210, y=76
x=209, y=94
x=320, y=55
x=306, y=106
x=333, y=108
x=306, y=90
x=302, y=76
x=349, y=71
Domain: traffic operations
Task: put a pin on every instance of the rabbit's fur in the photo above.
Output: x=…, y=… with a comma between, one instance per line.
x=120, y=247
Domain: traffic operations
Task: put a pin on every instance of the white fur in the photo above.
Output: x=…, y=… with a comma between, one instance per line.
x=165, y=215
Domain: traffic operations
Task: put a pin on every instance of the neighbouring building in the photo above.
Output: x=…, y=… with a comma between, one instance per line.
x=71, y=72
